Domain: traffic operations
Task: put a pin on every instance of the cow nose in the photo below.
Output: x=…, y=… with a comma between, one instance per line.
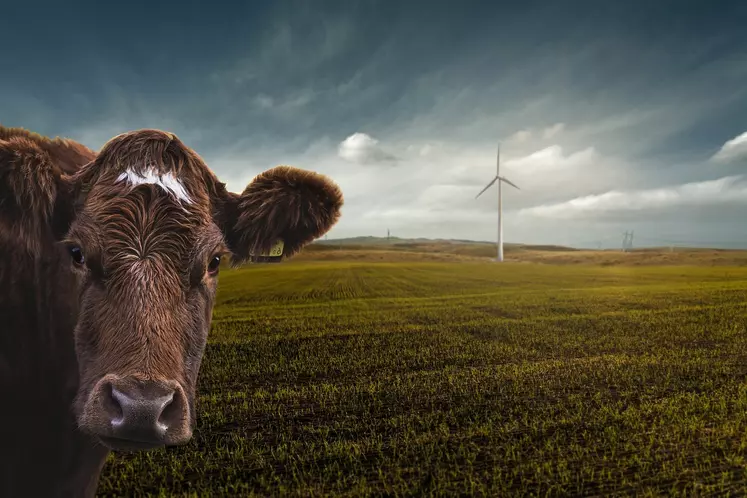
x=141, y=411
x=143, y=414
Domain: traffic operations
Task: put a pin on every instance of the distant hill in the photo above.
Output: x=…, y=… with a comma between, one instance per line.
x=397, y=249
x=370, y=240
x=398, y=242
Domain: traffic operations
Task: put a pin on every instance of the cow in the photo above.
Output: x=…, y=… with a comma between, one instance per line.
x=108, y=272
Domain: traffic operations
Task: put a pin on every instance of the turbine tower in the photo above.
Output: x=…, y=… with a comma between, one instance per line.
x=500, y=179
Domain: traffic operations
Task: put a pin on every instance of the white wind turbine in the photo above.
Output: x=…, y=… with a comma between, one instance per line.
x=500, y=180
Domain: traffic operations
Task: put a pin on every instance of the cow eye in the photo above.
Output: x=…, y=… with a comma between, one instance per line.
x=214, y=265
x=77, y=255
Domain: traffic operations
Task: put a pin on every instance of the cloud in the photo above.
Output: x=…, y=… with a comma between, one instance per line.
x=552, y=159
x=733, y=149
x=569, y=194
x=520, y=136
x=263, y=101
x=648, y=203
x=551, y=174
x=553, y=130
x=363, y=149
x=525, y=135
x=426, y=149
x=429, y=148
x=438, y=188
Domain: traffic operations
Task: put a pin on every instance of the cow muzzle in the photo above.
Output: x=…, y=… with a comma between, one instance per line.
x=131, y=413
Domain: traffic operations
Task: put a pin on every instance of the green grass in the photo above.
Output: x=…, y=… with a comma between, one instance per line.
x=481, y=379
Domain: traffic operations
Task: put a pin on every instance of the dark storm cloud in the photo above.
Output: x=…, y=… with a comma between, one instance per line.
x=627, y=97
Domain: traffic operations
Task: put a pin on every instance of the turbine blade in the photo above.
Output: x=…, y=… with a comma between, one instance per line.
x=503, y=179
x=498, y=161
x=487, y=187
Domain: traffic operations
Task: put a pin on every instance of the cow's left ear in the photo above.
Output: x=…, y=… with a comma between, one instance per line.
x=279, y=212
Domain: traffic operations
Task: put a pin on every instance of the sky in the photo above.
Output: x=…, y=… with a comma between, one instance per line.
x=612, y=116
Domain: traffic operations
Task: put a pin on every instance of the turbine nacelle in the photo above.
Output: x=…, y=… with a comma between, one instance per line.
x=501, y=178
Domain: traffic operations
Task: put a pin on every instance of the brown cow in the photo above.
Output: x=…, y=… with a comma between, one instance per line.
x=108, y=266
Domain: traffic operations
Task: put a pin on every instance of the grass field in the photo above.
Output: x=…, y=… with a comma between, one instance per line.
x=419, y=378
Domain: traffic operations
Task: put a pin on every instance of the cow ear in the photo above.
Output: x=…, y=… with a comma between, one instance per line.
x=34, y=194
x=278, y=213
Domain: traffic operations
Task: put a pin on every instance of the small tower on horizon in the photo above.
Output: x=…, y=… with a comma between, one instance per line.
x=627, y=241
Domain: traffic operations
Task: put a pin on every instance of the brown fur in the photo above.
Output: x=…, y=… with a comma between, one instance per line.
x=134, y=315
x=68, y=154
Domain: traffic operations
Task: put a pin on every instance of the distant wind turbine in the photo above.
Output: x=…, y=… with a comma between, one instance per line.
x=500, y=179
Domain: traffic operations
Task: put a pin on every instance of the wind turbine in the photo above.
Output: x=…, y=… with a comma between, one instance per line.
x=500, y=179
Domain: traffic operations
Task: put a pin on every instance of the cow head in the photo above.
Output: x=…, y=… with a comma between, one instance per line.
x=145, y=227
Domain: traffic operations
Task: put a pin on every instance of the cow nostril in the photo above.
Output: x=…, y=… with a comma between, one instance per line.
x=170, y=413
x=165, y=403
x=111, y=404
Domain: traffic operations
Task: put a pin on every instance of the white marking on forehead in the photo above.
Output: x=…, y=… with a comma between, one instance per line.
x=167, y=181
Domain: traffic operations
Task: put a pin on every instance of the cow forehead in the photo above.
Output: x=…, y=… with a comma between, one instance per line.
x=136, y=212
